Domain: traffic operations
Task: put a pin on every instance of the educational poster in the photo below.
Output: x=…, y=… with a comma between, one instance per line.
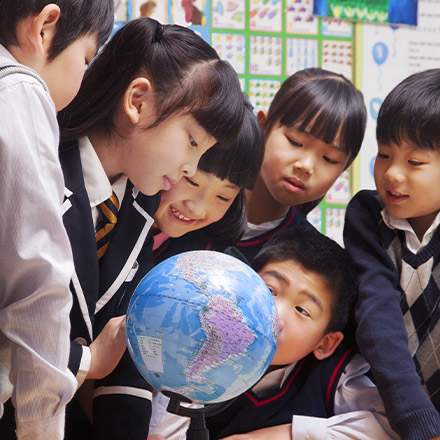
x=265, y=15
x=377, y=11
x=300, y=54
x=340, y=192
x=334, y=224
x=194, y=14
x=228, y=14
x=231, y=47
x=390, y=54
x=262, y=91
x=265, y=55
x=150, y=8
x=299, y=18
x=338, y=57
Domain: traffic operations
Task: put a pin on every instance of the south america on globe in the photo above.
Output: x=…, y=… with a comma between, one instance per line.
x=202, y=324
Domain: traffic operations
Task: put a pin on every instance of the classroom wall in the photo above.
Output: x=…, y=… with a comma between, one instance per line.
x=268, y=40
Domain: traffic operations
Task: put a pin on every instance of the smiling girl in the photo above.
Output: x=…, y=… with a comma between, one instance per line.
x=208, y=210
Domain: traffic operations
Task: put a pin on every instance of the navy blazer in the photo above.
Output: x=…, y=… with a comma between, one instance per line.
x=101, y=292
x=97, y=290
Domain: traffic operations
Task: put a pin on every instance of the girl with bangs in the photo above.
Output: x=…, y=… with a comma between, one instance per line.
x=313, y=131
x=152, y=103
x=208, y=210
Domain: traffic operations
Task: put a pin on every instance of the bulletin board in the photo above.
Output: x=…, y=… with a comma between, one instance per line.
x=266, y=41
x=387, y=55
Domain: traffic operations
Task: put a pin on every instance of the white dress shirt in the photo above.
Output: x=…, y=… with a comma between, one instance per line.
x=35, y=259
x=412, y=241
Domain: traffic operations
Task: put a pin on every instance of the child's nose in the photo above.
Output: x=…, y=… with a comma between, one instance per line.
x=189, y=168
x=305, y=163
x=394, y=174
x=196, y=207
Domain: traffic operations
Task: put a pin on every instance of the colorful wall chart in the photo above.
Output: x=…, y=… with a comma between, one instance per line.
x=379, y=11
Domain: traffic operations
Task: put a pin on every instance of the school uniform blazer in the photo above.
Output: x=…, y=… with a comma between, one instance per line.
x=97, y=291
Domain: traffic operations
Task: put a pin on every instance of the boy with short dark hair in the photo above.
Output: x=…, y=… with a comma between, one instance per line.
x=393, y=236
x=44, y=49
x=316, y=387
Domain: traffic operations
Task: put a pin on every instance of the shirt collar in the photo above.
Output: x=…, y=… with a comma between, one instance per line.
x=273, y=380
x=98, y=186
x=401, y=224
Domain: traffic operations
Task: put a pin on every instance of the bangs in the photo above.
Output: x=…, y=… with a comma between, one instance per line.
x=411, y=116
x=239, y=161
x=233, y=164
x=211, y=92
x=326, y=117
x=401, y=131
x=323, y=104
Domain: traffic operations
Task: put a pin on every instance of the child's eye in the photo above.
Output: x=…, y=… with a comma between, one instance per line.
x=191, y=182
x=415, y=163
x=193, y=142
x=382, y=156
x=272, y=291
x=223, y=199
x=302, y=311
x=294, y=143
x=330, y=161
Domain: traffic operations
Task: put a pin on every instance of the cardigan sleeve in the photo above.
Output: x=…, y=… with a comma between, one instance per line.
x=381, y=332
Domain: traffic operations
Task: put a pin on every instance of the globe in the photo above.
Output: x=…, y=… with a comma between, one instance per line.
x=202, y=324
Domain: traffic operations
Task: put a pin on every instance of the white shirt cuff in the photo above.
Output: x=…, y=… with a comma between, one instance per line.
x=84, y=366
x=307, y=428
x=52, y=428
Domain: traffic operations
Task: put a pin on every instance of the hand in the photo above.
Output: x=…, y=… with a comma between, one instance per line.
x=107, y=349
x=280, y=432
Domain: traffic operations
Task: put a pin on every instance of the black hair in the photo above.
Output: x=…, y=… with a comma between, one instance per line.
x=319, y=254
x=239, y=163
x=323, y=104
x=77, y=18
x=186, y=75
x=411, y=112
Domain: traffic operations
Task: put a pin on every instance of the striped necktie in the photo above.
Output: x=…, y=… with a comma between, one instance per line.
x=106, y=223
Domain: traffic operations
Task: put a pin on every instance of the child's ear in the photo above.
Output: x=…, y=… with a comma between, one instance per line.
x=327, y=345
x=134, y=98
x=261, y=117
x=43, y=28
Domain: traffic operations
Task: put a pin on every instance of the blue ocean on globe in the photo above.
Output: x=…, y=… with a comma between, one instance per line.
x=202, y=324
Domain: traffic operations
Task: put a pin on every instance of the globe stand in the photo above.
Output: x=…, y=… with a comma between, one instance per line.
x=197, y=426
